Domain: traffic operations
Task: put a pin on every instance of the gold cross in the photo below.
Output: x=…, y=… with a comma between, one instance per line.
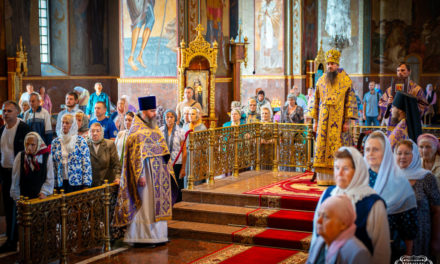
x=200, y=28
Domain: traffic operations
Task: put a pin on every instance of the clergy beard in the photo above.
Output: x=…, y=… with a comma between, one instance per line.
x=394, y=120
x=331, y=76
x=151, y=123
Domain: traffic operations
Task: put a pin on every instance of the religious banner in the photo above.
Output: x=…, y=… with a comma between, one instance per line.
x=149, y=38
x=269, y=38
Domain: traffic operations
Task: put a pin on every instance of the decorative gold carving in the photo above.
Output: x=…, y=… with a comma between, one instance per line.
x=53, y=228
x=199, y=47
x=320, y=58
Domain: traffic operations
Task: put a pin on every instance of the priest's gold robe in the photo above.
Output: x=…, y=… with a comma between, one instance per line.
x=333, y=105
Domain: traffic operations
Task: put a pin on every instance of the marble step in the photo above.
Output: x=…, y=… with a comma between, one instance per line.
x=237, y=234
x=211, y=213
x=249, y=200
x=234, y=215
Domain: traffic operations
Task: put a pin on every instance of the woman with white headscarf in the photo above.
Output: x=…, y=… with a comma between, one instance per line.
x=427, y=195
x=71, y=157
x=395, y=190
x=336, y=228
x=351, y=178
x=32, y=173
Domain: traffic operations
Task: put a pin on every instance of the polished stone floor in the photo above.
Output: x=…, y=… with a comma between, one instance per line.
x=174, y=252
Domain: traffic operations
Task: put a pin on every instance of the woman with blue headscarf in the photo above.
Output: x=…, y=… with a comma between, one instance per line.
x=395, y=190
x=175, y=138
x=427, y=194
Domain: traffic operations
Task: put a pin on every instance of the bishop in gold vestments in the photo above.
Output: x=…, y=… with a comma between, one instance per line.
x=334, y=106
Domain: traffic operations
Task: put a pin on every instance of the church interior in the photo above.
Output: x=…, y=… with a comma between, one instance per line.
x=248, y=191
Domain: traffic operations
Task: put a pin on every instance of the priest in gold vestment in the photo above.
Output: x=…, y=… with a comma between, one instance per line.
x=332, y=111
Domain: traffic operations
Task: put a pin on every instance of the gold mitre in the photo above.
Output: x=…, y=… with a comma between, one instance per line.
x=332, y=55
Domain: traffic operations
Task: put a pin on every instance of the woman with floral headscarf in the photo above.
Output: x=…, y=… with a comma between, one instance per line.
x=32, y=173
x=175, y=138
x=71, y=157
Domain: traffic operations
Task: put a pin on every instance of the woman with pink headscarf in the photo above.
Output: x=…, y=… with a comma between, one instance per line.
x=429, y=148
x=336, y=228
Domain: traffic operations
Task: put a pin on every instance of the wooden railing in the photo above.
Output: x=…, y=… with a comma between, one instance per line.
x=53, y=228
x=253, y=146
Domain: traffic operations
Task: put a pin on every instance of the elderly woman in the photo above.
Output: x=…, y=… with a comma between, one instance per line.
x=32, y=173
x=122, y=136
x=175, y=138
x=24, y=107
x=235, y=118
x=395, y=190
x=351, y=176
x=429, y=148
x=122, y=109
x=104, y=157
x=83, y=126
x=266, y=115
x=336, y=229
x=427, y=195
x=292, y=113
x=71, y=157
x=195, y=122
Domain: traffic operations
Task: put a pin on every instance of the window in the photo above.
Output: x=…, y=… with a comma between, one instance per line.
x=43, y=15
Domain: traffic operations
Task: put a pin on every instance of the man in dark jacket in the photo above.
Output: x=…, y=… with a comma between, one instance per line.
x=11, y=142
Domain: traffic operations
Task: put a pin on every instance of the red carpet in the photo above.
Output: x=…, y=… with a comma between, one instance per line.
x=298, y=186
x=298, y=203
x=252, y=254
x=282, y=219
x=273, y=237
x=296, y=193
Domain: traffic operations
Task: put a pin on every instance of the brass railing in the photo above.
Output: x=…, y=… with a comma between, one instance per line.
x=254, y=146
x=55, y=227
x=269, y=146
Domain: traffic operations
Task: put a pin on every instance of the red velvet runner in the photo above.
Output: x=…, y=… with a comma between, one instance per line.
x=293, y=220
x=298, y=203
x=281, y=238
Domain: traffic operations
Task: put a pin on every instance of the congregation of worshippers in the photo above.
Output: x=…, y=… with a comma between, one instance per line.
x=385, y=202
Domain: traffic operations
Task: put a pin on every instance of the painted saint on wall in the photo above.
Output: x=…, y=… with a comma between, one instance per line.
x=149, y=38
x=269, y=36
x=215, y=21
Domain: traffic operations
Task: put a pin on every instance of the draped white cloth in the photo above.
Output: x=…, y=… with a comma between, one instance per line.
x=143, y=228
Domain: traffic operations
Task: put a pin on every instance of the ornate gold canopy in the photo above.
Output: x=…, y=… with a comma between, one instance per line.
x=320, y=58
x=197, y=50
